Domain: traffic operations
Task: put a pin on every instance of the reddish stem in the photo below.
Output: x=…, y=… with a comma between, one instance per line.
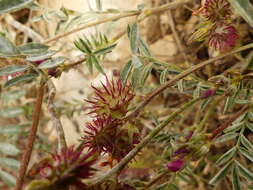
x=28, y=151
x=222, y=127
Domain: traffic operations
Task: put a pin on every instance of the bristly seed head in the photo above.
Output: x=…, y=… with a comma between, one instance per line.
x=68, y=167
x=111, y=136
x=112, y=99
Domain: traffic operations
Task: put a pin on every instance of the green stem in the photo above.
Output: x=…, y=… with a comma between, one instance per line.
x=209, y=112
x=144, y=142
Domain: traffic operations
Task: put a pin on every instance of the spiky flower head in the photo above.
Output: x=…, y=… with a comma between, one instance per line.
x=216, y=10
x=67, y=168
x=111, y=136
x=99, y=134
x=112, y=99
x=223, y=37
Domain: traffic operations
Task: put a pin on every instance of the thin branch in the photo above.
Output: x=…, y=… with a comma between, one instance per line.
x=55, y=118
x=32, y=135
x=21, y=27
x=176, y=36
x=144, y=142
x=185, y=73
x=155, y=180
x=146, y=12
x=228, y=122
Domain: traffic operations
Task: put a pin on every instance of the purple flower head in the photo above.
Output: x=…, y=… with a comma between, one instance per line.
x=216, y=10
x=176, y=165
x=181, y=152
x=208, y=93
x=223, y=37
x=39, y=61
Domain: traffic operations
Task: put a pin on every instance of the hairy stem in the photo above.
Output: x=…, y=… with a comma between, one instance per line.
x=55, y=118
x=32, y=135
x=145, y=141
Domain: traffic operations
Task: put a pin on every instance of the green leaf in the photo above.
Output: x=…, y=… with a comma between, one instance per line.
x=38, y=57
x=238, y=101
x=245, y=9
x=12, y=69
x=11, y=112
x=234, y=127
x=246, y=142
x=247, y=153
x=144, y=48
x=136, y=77
x=229, y=102
x=221, y=174
x=226, y=137
x=20, y=79
x=163, y=76
x=7, y=178
x=7, y=48
x=235, y=179
x=33, y=48
x=96, y=63
x=250, y=115
x=8, y=149
x=13, y=5
x=136, y=61
x=133, y=34
x=12, y=95
x=126, y=71
x=9, y=162
x=54, y=62
x=249, y=126
x=145, y=73
x=83, y=46
x=226, y=157
x=248, y=175
x=105, y=50
x=89, y=64
x=12, y=129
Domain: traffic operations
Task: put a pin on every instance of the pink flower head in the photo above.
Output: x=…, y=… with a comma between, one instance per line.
x=208, y=93
x=176, y=165
x=216, y=10
x=223, y=37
